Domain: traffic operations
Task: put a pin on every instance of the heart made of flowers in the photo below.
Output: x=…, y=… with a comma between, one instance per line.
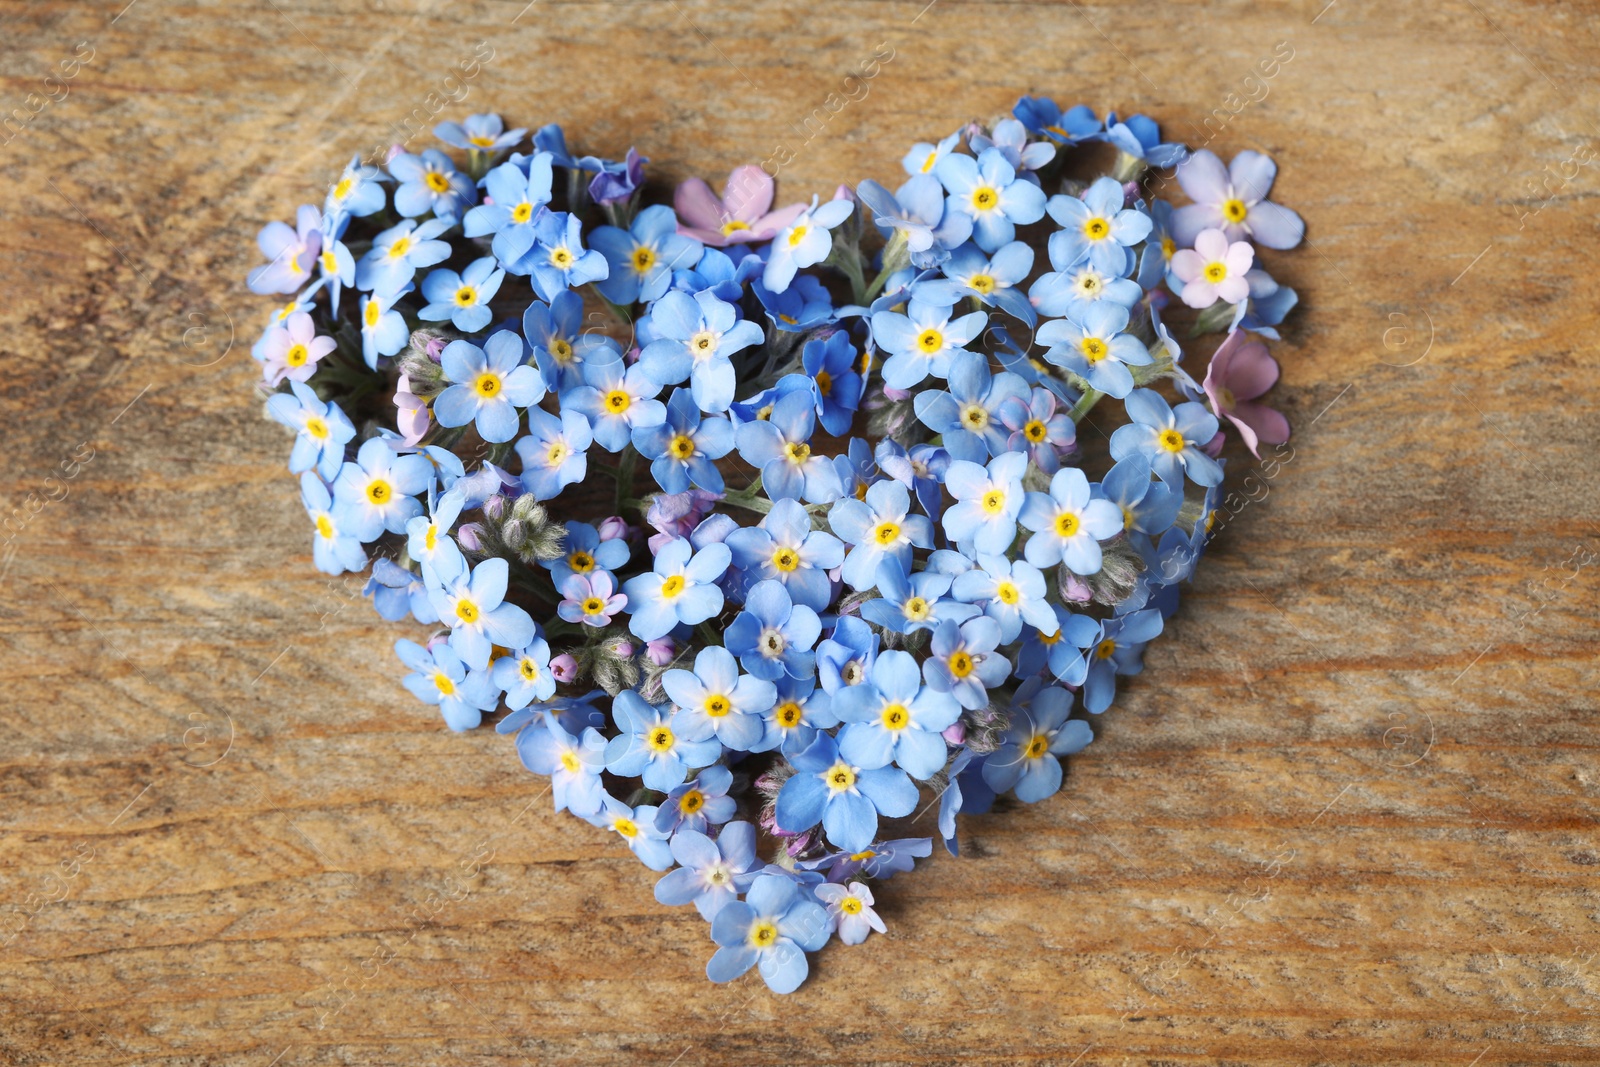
x=866, y=572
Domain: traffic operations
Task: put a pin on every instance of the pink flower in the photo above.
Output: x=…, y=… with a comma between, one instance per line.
x=1213, y=269
x=565, y=668
x=590, y=599
x=413, y=418
x=1239, y=372
x=660, y=651
x=676, y=515
x=292, y=350
x=741, y=214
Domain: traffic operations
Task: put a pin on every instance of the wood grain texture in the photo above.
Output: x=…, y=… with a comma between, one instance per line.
x=1348, y=814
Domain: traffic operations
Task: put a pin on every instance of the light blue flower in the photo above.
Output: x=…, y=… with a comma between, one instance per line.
x=804, y=306
x=554, y=453
x=290, y=253
x=378, y=491
x=649, y=746
x=525, y=675
x=335, y=548
x=987, y=189
x=715, y=700
x=992, y=279
x=783, y=547
x=1011, y=138
x=399, y=252
x=1120, y=651
x=922, y=340
x=711, y=874
x=463, y=298
x=472, y=604
x=779, y=447
x=572, y=762
x=963, y=660
x=846, y=799
x=1061, y=651
x=682, y=588
x=561, y=346
x=337, y=264
x=793, y=721
x=1010, y=593
x=1029, y=757
x=682, y=449
x=441, y=679
x=322, y=430
x=924, y=156
x=968, y=414
x=880, y=526
x=357, y=191
x=430, y=182
x=636, y=826
x=1172, y=439
x=1091, y=344
x=830, y=367
x=383, y=329
x=558, y=261
x=518, y=193
x=919, y=211
x=698, y=804
x=1041, y=115
x=489, y=385
x=643, y=257
x=1148, y=507
x=846, y=655
x=1097, y=228
x=893, y=718
x=921, y=470
x=585, y=553
x=913, y=602
x=695, y=336
x=428, y=540
x=397, y=592
x=773, y=636
x=805, y=242
x=1069, y=525
x=772, y=929
x=988, y=500
x=1072, y=288
x=479, y=133
x=1140, y=138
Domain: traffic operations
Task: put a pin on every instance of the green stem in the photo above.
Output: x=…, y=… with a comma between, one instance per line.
x=625, y=467
x=1090, y=398
x=895, y=258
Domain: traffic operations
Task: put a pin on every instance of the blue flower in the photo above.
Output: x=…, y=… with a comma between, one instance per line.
x=779, y=448
x=988, y=500
x=1073, y=287
x=682, y=448
x=1148, y=507
x=913, y=602
x=772, y=929
x=715, y=700
x=1120, y=651
x=784, y=548
x=712, y=873
x=694, y=338
x=1011, y=137
x=773, y=636
x=560, y=346
x=428, y=539
x=892, y=718
x=1069, y=525
x=921, y=470
x=1091, y=343
x=338, y=265
x=1035, y=427
x=1234, y=200
x=964, y=662
x=290, y=252
x=323, y=430
x=378, y=491
x=1140, y=138
x=1097, y=228
x=846, y=656
x=805, y=242
x=383, y=329
x=519, y=193
x=879, y=527
x=1028, y=759
x=698, y=804
x=489, y=385
x=1172, y=439
x=472, y=603
x=585, y=552
x=440, y=678
x=921, y=341
x=968, y=415
x=479, y=133
x=649, y=746
x=558, y=260
x=681, y=589
x=554, y=454
x=572, y=762
x=1062, y=650
x=1041, y=115
x=966, y=781
x=924, y=156
x=846, y=799
x=430, y=182
x=988, y=190
x=802, y=307
x=882, y=859
x=643, y=257
x=462, y=298
x=335, y=548
x=918, y=210
x=1010, y=593
x=636, y=826
x=830, y=365
x=616, y=181
x=399, y=252
x=525, y=676
x=793, y=721
x=396, y=592
x=993, y=280
x=357, y=191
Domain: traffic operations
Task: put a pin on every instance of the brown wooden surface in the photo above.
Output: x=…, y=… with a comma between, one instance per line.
x=1348, y=815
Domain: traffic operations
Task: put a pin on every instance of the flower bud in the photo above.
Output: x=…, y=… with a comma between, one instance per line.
x=660, y=651
x=614, y=527
x=565, y=668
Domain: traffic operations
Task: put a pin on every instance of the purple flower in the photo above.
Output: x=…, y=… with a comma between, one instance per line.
x=590, y=599
x=741, y=215
x=1213, y=270
x=1233, y=200
x=1033, y=425
x=292, y=350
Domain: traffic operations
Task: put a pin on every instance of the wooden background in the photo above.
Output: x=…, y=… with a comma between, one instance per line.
x=1347, y=816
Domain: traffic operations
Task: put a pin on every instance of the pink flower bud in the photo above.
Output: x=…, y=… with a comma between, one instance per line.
x=955, y=733
x=615, y=528
x=844, y=192
x=1075, y=590
x=621, y=648
x=565, y=668
x=660, y=651
x=436, y=348
x=468, y=536
x=1213, y=447
x=495, y=506
x=895, y=394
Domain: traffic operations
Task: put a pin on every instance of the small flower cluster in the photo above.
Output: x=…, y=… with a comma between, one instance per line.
x=869, y=568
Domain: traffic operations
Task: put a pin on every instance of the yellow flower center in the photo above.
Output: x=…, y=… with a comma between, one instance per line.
x=643, y=258
x=442, y=682
x=528, y=669
x=1049, y=639
x=682, y=447
x=626, y=827
x=672, y=586
x=593, y=606
x=487, y=384
x=430, y=539
x=561, y=349
x=1234, y=210
x=315, y=427
x=691, y=802
x=341, y=188
x=570, y=763
x=580, y=561
x=797, y=235
x=840, y=776
x=851, y=905
x=717, y=705
x=1008, y=593
x=1168, y=247
x=982, y=283
x=974, y=417
x=1096, y=229
x=618, y=401
x=763, y=934
x=325, y=527
x=896, y=717
x=1067, y=524
x=297, y=355
x=786, y=559
x=330, y=262
x=960, y=664
x=702, y=344
x=985, y=198
x=660, y=739
x=994, y=501
x=437, y=182
x=1171, y=440
x=522, y=212
x=467, y=611
x=1105, y=649
x=401, y=246
x=917, y=609
x=481, y=141
x=788, y=715
x=1216, y=271
x=886, y=533
x=556, y=455
x=733, y=226
x=824, y=382
x=379, y=491
x=930, y=341
x=798, y=452
x=1094, y=349
x=371, y=313
x=561, y=258
x=1036, y=747
x=466, y=296
x=1034, y=430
